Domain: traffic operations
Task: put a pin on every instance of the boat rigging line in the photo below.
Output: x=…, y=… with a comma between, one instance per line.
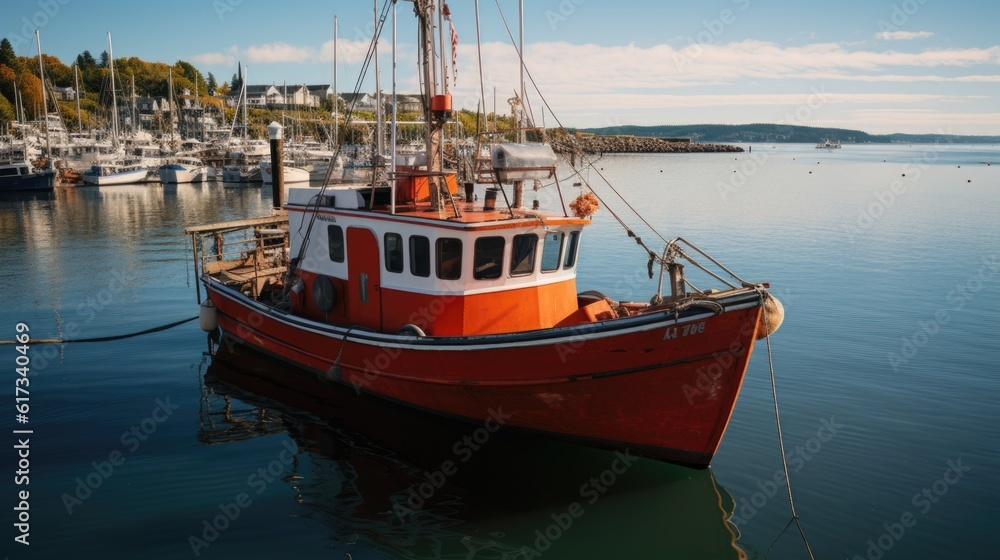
x=781, y=442
x=102, y=338
x=347, y=123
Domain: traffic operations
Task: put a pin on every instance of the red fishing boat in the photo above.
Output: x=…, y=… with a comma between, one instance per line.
x=416, y=293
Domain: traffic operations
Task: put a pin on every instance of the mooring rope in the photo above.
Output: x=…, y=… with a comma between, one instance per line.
x=781, y=441
x=101, y=338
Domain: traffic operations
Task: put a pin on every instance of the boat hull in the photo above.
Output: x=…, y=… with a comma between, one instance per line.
x=289, y=174
x=41, y=181
x=124, y=178
x=193, y=175
x=659, y=385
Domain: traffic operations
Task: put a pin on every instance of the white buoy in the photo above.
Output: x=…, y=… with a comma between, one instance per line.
x=208, y=316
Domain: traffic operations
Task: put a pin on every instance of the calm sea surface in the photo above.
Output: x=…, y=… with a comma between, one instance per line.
x=886, y=259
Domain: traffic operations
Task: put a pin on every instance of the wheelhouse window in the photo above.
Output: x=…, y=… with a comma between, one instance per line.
x=571, y=247
x=522, y=254
x=488, y=261
x=394, y=252
x=335, y=239
x=420, y=256
x=552, y=250
x=449, y=258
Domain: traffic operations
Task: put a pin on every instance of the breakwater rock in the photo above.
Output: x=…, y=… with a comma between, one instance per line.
x=634, y=145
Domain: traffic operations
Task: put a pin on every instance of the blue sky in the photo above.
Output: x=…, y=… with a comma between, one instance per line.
x=879, y=66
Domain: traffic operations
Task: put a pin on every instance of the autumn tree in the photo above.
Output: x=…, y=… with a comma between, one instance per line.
x=31, y=93
x=7, y=112
x=7, y=78
x=56, y=72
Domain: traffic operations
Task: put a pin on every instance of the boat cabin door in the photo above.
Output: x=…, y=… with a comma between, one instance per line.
x=364, y=284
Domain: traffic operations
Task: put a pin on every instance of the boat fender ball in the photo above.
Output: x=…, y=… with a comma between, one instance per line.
x=324, y=294
x=775, y=316
x=208, y=316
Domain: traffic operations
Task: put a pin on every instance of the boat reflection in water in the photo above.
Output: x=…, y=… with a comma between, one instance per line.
x=402, y=482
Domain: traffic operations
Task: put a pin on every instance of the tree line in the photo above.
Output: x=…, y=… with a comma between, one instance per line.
x=151, y=80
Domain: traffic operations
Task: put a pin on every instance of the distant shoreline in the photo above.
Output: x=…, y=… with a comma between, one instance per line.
x=636, y=145
x=781, y=134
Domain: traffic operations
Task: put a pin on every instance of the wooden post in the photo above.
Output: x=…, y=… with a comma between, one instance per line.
x=277, y=163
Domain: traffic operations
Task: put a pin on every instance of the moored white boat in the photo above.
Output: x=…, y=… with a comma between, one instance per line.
x=104, y=174
x=292, y=174
x=183, y=170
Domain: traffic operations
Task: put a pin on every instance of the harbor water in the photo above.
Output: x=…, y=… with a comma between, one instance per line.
x=886, y=258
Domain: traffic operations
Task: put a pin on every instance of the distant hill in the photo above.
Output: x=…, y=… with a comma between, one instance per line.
x=781, y=133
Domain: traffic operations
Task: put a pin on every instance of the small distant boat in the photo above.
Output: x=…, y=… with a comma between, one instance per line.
x=183, y=170
x=20, y=177
x=291, y=174
x=240, y=174
x=105, y=174
x=828, y=145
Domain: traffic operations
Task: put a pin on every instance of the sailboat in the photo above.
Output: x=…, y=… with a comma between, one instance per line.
x=180, y=168
x=415, y=294
x=20, y=176
x=119, y=171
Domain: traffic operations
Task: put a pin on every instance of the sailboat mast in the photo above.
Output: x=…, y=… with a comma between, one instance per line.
x=336, y=99
x=114, y=96
x=246, y=71
x=45, y=105
x=135, y=113
x=76, y=82
x=170, y=103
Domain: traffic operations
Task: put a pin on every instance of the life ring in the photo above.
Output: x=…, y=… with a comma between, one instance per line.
x=411, y=330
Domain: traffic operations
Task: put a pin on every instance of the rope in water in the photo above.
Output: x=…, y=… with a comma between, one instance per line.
x=781, y=441
x=101, y=338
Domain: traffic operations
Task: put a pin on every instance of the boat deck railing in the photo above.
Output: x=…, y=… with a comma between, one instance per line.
x=247, y=254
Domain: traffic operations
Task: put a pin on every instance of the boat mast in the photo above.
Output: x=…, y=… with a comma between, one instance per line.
x=519, y=185
x=76, y=81
x=135, y=113
x=392, y=154
x=246, y=70
x=435, y=126
x=379, y=113
x=336, y=99
x=114, y=96
x=520, y=55
x=45, y=105
x=441, y=57
x=170, y=103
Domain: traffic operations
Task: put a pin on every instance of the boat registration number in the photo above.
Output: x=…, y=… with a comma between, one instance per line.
x=686, y=330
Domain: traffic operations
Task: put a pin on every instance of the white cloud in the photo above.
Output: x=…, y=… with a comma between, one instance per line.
x=278, y=53
x=903, y=35
x=214, y=59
